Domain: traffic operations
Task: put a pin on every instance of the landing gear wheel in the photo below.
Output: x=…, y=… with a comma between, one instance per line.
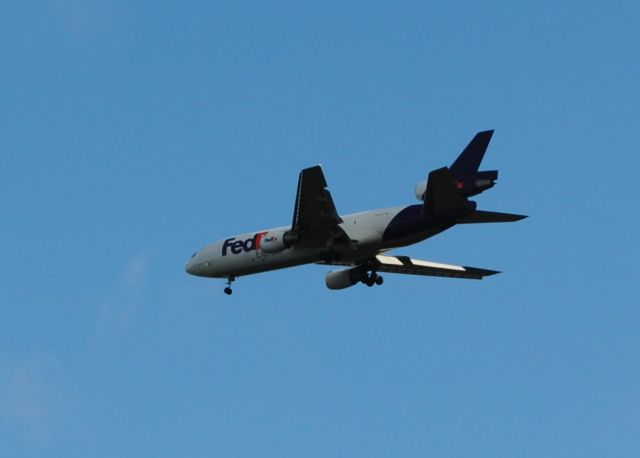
x=228, y=289
x=372, y=279
x=379, y=280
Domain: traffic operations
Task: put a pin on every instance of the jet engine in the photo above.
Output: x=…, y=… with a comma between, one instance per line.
x=341, y=279
x=468, y=186
x=276, y=241
x=421, y=188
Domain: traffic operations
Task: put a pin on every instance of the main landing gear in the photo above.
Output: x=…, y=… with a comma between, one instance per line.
x=228, y=289
x=373, y=279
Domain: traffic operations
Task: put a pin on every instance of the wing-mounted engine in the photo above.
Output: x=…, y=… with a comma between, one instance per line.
x=341, y=279
x=277, y=241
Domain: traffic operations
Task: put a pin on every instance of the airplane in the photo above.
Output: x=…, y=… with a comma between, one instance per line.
x=360, y=242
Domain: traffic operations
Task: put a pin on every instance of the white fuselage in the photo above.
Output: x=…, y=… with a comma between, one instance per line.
x=239, y=255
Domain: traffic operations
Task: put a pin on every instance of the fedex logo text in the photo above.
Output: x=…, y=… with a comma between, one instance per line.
x=238, y=246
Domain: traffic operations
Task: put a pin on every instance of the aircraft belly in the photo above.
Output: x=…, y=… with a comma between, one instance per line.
x=410, y=237
x=283, y=260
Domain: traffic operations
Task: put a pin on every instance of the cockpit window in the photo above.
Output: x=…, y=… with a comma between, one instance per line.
x=194, y=254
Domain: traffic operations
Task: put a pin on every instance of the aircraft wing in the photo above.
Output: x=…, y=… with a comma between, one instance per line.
x=407, y=265
x=315, y=218
x=314, y=205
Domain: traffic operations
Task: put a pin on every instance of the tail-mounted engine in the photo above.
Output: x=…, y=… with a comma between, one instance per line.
x=468, y=186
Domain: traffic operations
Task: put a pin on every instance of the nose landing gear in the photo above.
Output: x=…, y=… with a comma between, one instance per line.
x=228, y=291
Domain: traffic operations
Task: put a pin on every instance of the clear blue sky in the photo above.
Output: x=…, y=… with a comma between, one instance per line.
x=133, y=133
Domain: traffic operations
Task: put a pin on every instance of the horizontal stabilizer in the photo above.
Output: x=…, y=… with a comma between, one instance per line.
x=491, y=175
x=441, y=195
x=480, y=216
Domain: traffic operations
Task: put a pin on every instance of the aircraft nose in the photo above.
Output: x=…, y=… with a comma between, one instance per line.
x=190, y=266
x=199, y=264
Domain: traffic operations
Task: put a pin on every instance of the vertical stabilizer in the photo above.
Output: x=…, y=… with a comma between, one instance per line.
x=468, y=162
